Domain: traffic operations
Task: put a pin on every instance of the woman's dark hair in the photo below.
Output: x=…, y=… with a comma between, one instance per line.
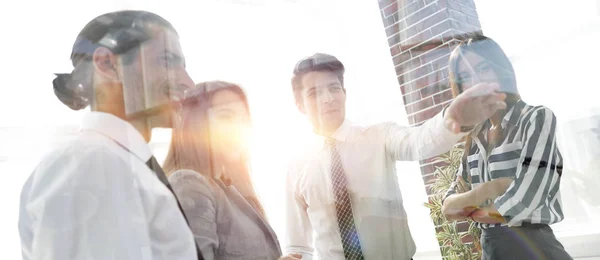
x=121, y=32
x=191, y=146
x=491, y=51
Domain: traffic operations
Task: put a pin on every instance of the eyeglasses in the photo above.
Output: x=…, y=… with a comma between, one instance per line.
x=318, y=62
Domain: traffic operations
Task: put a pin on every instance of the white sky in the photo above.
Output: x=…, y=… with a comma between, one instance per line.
x=256, y=44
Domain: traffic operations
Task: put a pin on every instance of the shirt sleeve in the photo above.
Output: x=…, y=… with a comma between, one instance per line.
x=460, y=172
x=417, y=143
x=537, y=172
x=198, y=203
x=84, y=207
x=299, y=233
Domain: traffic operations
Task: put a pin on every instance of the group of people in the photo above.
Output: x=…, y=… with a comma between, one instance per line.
x=103, y=195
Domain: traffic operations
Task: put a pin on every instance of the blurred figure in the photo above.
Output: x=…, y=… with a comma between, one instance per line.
x=100, y=195
x=208, y=162
x=345, y=189
x=510, y=174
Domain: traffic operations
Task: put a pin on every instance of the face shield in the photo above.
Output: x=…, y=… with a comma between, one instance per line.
x=142, y=96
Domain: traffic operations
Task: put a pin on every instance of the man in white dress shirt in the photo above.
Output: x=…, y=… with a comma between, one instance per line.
x=100, y=195
x=344, y=190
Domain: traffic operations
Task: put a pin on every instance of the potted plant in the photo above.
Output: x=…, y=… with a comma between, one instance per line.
x=448, y=235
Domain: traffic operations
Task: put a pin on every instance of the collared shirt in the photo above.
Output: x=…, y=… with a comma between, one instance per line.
x=95, y=198
x=369, y=156
x=527, y=153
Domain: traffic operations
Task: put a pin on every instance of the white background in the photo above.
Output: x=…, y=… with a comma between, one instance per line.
x=256, y=43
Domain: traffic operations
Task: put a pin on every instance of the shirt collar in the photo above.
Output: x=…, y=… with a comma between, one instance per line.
x=340, y=134
x=118, y=130
x=512, y=117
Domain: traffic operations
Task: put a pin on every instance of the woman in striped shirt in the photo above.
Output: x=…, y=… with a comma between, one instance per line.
x=511, y=162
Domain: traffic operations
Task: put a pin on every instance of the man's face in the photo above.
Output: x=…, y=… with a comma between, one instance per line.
x=155, y=82
x=323, y=100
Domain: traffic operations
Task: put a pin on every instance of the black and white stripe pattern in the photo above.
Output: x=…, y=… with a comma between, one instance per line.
x=527, y=153
x=343, y=206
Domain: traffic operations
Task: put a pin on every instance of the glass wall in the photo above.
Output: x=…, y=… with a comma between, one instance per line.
x=256, y=43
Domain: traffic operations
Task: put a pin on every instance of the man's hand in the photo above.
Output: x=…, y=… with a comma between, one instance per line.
x=291, y=257
x=473, y=106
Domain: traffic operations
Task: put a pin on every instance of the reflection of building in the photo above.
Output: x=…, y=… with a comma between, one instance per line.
x=583, y=145
x=579, y=141
x=421, y=35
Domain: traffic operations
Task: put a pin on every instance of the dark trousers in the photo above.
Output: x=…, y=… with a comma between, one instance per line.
x=530, y=241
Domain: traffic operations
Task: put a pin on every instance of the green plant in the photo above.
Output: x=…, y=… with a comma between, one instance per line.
x=450, y=239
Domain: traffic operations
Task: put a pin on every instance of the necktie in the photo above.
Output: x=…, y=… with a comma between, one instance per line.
x=343, y=206
x=158, y=171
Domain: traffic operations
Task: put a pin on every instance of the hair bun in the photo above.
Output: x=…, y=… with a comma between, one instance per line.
x=70, y=92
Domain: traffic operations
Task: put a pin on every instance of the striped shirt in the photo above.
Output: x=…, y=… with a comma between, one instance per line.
x=526, y=152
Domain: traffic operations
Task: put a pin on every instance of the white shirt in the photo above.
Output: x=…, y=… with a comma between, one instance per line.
x=369, y=156
x=95, y=198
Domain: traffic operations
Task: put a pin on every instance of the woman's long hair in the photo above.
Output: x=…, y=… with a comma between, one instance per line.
x=191, y=146
x=491, y=51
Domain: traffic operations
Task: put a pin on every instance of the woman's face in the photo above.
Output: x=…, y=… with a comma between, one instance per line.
x=474, y=69
x=229, y=124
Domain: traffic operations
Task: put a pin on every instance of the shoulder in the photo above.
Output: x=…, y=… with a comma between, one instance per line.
x=361, y=128
x=385, y=126
x=384, y=129
x=80, y=156
x=84, y=145
x=301, y=159
x=190, y=181
x=186, y=176
x=79, y=168
x=537, y=114
x=304, y=151
x=296, y=164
